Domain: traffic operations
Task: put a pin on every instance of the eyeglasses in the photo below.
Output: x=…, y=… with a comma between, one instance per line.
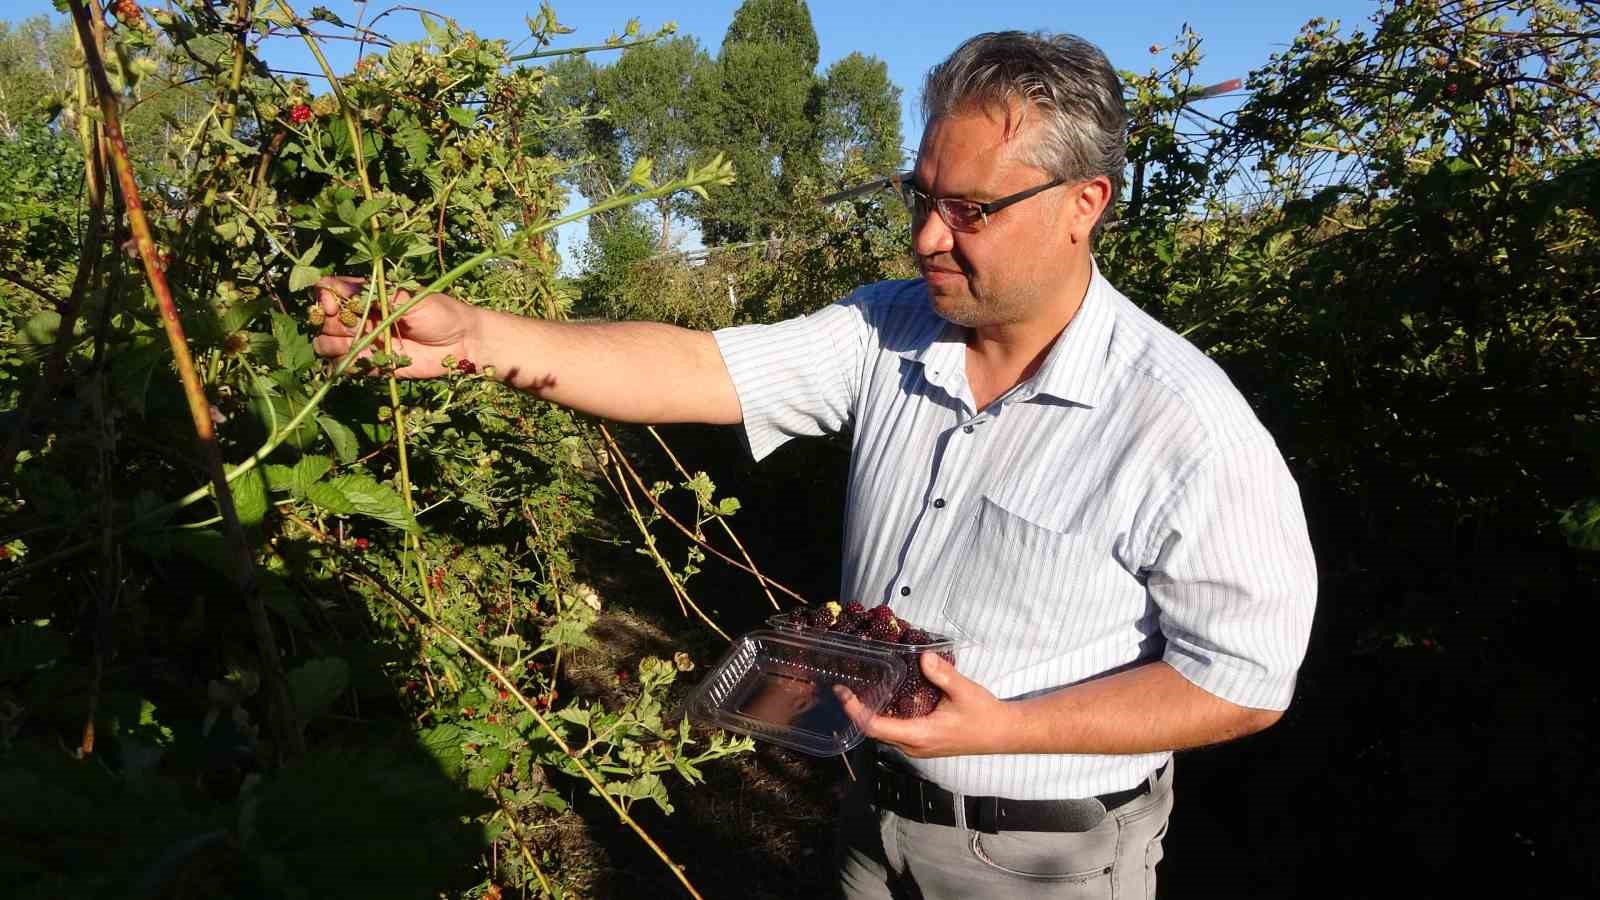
x=967, y=216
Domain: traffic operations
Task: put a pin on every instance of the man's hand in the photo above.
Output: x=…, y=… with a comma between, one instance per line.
x=438, y=327
x=969, y=720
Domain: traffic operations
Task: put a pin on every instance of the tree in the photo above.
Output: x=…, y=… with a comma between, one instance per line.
x=763, y=114
x=651, y=95
x=860, y=116
x=593, y=148
x=34, y=67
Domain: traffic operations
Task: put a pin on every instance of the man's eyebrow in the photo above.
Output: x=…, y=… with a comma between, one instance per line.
x=913, y=182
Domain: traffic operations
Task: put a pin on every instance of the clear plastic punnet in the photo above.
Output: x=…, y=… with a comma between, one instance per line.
x=777, y=685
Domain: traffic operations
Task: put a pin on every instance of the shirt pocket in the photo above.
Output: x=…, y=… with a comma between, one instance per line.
x=1023, y=589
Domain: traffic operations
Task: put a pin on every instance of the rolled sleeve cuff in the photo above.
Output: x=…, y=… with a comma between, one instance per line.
x=1240, y=681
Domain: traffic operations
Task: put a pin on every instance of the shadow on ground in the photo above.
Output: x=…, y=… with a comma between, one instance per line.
x=1438, y=744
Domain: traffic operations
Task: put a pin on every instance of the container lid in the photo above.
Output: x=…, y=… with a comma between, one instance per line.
x=778, y=686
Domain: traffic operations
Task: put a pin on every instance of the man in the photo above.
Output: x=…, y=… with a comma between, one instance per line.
x=1038, y=467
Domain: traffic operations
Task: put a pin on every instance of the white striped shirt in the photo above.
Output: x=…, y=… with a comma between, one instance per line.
x=1122, y=505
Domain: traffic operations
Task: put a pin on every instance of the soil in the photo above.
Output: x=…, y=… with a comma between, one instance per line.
x=1438, y=744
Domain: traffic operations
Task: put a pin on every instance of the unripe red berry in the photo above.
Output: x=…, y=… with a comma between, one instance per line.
x=301, y=114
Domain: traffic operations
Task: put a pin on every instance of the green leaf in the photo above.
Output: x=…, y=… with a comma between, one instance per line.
x=365, y=211
x=302, y=277
x=443, y=743
x=279, y=478
x=250, y=497
x=316, y=684
x=308, y=472
x=345, y=445
x=358, y=494
x=509, y=642
x=640, y=173
x=294, y=348
x=462, y=116
x=1581, y=525
x=494, y=763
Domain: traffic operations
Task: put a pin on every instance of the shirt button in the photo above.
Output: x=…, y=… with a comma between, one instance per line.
x=939, y=503
x=905, y=591
x=967, y=428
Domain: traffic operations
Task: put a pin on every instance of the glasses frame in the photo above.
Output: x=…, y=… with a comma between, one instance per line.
x=914, y=198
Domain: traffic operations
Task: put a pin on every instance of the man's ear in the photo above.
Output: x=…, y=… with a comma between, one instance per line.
x=1086, y=201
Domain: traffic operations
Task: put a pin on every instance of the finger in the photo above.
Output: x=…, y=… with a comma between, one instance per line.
x=332, y=290
x=331, y=345
x=883, y=728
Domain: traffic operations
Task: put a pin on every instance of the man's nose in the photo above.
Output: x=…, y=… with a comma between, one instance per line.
x=932, y=236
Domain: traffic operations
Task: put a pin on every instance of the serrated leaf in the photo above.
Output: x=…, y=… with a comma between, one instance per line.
x=294, y=348
x=367, y=210
x=279, y=478
x=345, y=444
x=551, y=800
x=302, y=277
x=307, y=472
x=316, y=684
x=443, y=743
x=357, y=494
x=509, y=642
x=250, y=497
x=640, y=173
x=494, y=763
x=461, y=116
x=574, y=714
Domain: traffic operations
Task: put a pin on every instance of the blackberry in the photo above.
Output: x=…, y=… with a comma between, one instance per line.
x=917, y=702
x=819, y=619
x=884, y=628
x=854, y=610
x=915, y=637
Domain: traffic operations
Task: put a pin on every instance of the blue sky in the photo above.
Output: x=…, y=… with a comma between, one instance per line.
x=909, y=35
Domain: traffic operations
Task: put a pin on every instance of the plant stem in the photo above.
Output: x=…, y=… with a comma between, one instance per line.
x=750, y=564
x=243, y=565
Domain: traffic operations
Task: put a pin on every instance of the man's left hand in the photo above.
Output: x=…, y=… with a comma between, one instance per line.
x=969, y=720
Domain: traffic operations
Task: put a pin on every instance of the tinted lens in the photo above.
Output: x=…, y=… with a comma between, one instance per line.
x=962, y=215
x=916, y=201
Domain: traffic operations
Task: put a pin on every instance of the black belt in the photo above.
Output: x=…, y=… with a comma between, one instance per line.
x=921, y=800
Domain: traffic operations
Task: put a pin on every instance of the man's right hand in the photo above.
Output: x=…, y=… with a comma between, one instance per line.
x=628, y=371
x=438, y=327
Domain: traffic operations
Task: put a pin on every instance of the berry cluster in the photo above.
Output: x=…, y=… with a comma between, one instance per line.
x=914, y=696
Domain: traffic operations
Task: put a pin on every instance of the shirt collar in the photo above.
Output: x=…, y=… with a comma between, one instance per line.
x=1074, y=368
x=1071, y=371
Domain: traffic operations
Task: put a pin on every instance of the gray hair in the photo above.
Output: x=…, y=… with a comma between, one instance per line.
x=1065, y=78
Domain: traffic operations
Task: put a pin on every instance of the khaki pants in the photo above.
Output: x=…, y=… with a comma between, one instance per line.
x=887, y=857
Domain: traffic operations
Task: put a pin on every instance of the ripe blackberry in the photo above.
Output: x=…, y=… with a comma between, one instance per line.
x=820, y=619
x=884, y=628
x=855, y=610
x=917, y=702
x=881, y=613
x=915, y=637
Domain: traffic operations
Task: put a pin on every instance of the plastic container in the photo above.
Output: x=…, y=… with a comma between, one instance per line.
x=777, y=685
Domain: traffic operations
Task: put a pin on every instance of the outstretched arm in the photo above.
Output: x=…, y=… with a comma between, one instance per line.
x=628, y=371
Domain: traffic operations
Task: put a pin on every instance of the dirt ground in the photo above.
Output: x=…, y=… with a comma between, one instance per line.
x=1439, y=743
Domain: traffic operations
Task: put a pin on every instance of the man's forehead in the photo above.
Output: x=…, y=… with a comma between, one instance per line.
x=973, y=147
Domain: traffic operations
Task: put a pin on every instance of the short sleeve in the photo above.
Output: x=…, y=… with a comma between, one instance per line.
x=1234, y=576
x=800, y=377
